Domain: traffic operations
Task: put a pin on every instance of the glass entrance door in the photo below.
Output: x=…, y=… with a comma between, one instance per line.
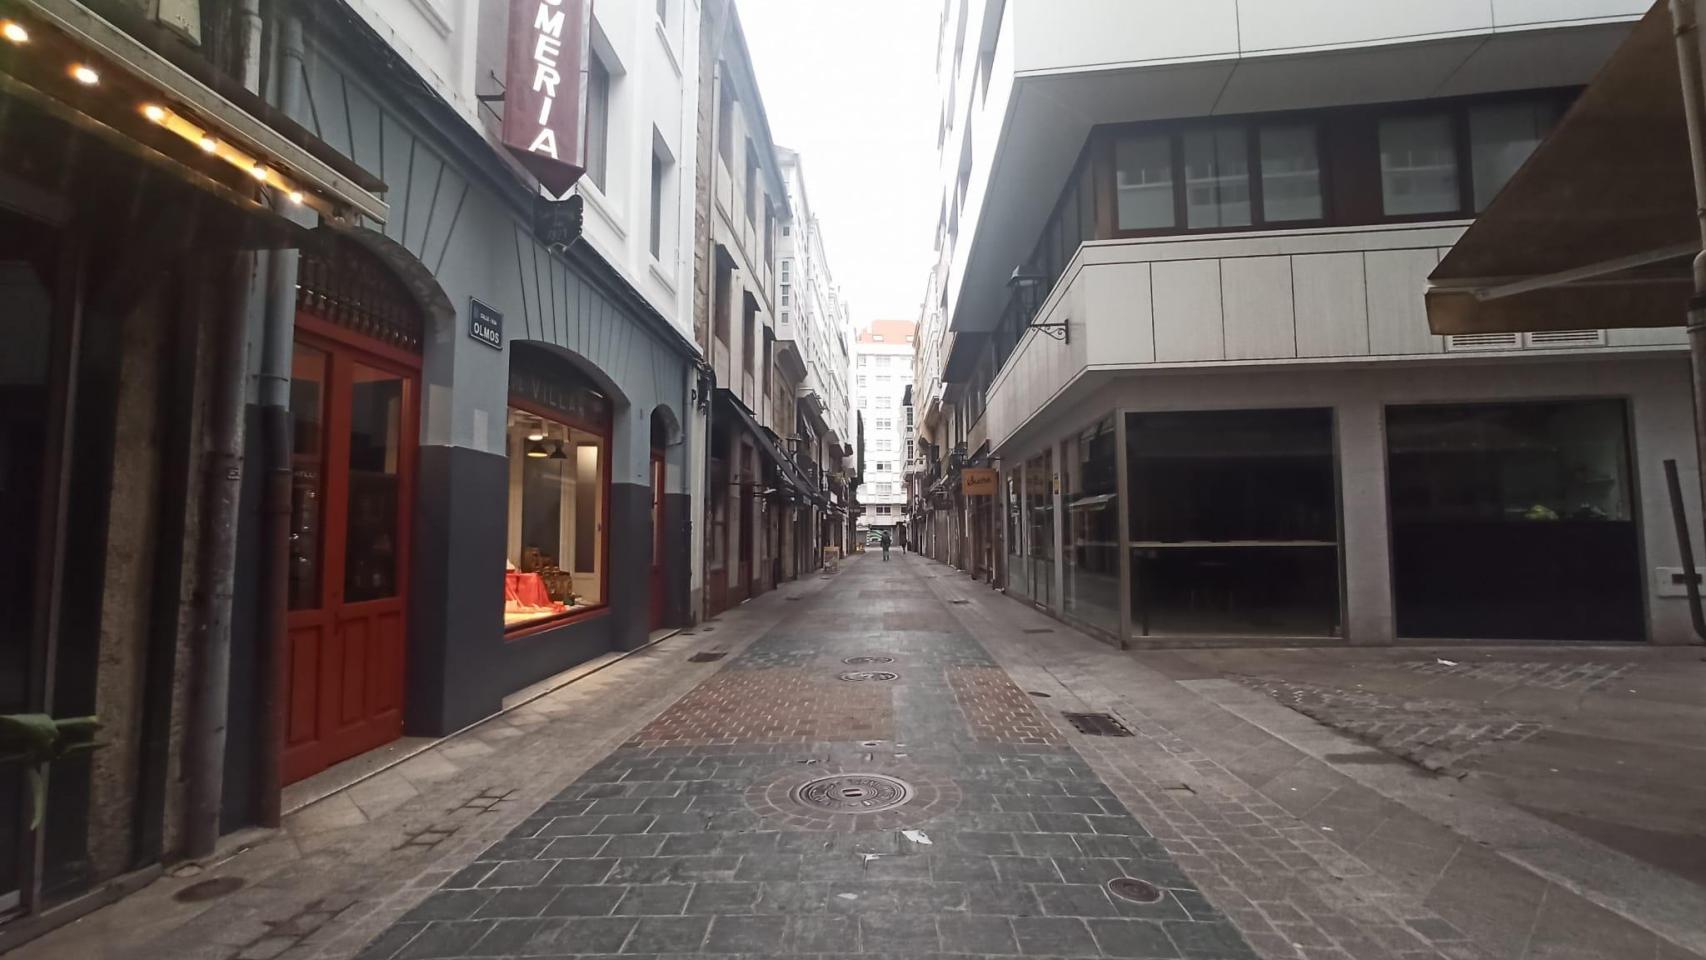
x=352, y=467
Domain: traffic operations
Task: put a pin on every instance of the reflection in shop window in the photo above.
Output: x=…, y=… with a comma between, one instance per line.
x=557, y=488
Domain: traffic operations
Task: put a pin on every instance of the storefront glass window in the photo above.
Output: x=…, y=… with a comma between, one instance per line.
x=1091, y=535
x=308, y=380
x=1039, y=514
x=557, y=488
x=1514, y=521
x=1018, y=570
x=1233, y=523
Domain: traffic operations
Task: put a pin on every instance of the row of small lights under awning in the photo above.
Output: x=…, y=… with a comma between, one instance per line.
x=18, y=35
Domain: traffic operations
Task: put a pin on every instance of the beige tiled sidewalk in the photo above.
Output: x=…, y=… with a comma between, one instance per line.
x=1318, y=845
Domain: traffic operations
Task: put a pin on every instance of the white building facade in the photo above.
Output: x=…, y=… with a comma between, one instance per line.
x=882, y=371
x=812, y=331
x=1181, y=273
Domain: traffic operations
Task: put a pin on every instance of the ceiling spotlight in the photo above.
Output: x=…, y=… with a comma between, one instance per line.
x=296, y=197
x=537, y=451
x=154, y=112
x=259, y=172
x=84, y=75
x=14, y=32
x=208, y=144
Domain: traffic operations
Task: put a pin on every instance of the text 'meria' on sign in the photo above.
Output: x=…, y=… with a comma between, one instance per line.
x=545, y=89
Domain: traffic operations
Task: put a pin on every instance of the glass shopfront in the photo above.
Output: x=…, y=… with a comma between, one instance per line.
x=1039, y=521
x=559, y=489
x=1514, y=521
x=1233, y=523
x=1018, y=569
x=1091, y=534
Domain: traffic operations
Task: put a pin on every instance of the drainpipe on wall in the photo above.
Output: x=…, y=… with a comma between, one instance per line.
x=210, y=681
x=277, y=347
x=1685, y=20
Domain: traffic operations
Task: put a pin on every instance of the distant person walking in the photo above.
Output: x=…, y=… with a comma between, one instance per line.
x=886, y=542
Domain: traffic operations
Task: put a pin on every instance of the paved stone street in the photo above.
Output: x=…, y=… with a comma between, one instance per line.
x=879, y=763
x=863, y=779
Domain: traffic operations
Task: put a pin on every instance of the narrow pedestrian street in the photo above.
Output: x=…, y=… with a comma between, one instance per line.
x=876, y=762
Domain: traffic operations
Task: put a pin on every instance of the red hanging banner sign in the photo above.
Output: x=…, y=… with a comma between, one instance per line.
x=545, y=89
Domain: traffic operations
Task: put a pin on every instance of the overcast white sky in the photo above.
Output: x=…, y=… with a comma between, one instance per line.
x=851, y=85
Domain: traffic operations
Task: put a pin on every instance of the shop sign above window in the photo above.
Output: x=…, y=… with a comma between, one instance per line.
x=554, y=384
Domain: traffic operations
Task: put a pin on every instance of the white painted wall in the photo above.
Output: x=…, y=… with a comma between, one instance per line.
x=458, y=47
x=1062, y=35
x=1337, y=295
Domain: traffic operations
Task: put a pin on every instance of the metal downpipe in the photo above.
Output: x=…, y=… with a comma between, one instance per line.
x=1686, y=27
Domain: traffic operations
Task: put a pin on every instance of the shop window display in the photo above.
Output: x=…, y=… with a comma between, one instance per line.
x=558, y=440
x=556, y=513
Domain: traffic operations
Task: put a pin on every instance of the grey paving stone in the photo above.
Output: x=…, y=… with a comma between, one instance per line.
x=517, y=902
x=909, y=934
x=668, y=935
x=655, y=899
x=1208, y=941
x=976, y=934
x=585, y=901
x=747, y=934
x=1133, y=938
x=1054, y=936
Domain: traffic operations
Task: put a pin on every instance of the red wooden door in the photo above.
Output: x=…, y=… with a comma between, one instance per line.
x=356, y=415
x=659, y=542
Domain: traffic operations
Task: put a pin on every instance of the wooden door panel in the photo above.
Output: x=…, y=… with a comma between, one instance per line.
x=302, y=722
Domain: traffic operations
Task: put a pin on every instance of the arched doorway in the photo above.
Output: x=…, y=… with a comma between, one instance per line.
x=355, y=409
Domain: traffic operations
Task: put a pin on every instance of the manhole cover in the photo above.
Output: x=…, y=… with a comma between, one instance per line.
x=1135, y=890
x=853, y=793
x=707, y=657
x=1097, y=724
x=860, y=676
x=209, y=889
x=858, y=660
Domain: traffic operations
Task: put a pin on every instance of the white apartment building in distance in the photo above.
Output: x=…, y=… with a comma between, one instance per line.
x=1183, y=249
x=812, y=330
x=882, y=370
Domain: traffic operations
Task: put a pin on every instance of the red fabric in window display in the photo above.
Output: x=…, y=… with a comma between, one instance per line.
x=526, y=593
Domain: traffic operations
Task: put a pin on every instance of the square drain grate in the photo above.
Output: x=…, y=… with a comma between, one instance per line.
x=1097, y=724
x=706, y=657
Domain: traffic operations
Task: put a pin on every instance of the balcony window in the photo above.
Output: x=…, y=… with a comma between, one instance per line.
x=1501, y=137
x=1217, y=178
x=1418, y=165
x=1291, y=174
x=1143, y=172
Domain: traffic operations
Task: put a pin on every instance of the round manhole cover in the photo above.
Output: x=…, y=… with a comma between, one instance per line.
x=859, y=676
x=853, y=793
x=1135, y=890
x=209, y=889
x=855, y=661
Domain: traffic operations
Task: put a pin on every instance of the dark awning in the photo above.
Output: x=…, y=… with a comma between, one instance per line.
x=729, y=404
x=1597, y=228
